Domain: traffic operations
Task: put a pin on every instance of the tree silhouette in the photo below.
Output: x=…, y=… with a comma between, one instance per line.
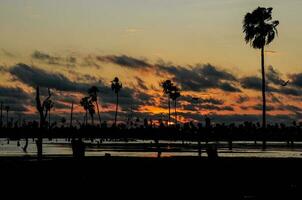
x=85, y=104
x=94, y=98
x=7, y=110
x=167, y=88
x=116, y=86
x=91, y=110
x=49, y=105
x=260, y=30
x=43, y=111
x=175, y=94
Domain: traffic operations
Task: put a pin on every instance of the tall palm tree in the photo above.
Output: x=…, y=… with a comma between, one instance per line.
x=175, y=94
x=116, y=86
x=85, y=104
x=167, y=88
x=49, y=105
x=91, y=110
x=93, y=93
x=260, y=30
x=7, y=110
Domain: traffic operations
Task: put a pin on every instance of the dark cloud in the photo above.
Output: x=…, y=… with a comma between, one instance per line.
x=273, y=76
x=33, y=76
x=128, y=98
x=90, y=61
x=242, y=99
x=125, y=61
x=200, y=77
x=259, y=107
x=141, y=84
x=13, y=92
x=14, y=97
x=216, y=108
x=54, y=60
x=211, y=100
x=288, y=91
x=296, y=79
x=251, y=82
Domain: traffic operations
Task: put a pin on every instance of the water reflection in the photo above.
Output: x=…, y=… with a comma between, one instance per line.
x=145, y=149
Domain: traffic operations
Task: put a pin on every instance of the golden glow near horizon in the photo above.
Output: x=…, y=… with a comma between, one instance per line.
x=183, y=32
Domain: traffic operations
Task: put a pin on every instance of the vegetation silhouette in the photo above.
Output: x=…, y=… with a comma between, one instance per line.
x=93, y=93
x=260, y=30
x=116, y=86
x=167, y=90
x=175, y=94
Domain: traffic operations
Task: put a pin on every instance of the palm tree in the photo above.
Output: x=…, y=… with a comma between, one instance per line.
x=94, y=98
x=116, y=86
x=49, y=105
x=91, y=110
x=7, y=110
x=175, y=94
x=260, y=30
x=85, y=104
x=167, y=87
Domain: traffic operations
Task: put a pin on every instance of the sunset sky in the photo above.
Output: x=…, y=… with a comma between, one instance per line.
x=70, y=45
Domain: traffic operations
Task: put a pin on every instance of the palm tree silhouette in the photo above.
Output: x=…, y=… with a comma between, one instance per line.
x=91, y=110
x=7, y=110
x=175, y=94
x=49, y=105
x=167, y=87
x=260, y=30
x=94, y=98
x=85, y=104
x=116, y=86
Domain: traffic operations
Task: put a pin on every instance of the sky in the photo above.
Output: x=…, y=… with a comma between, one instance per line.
x=69, y=45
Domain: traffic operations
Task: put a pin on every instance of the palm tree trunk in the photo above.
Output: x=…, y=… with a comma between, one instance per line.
x=263, y=90
x=175, y=112
x=97, y=107
x=169, y=106
x=115, y=118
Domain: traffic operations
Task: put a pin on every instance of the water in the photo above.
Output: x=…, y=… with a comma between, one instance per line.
x=62, y=147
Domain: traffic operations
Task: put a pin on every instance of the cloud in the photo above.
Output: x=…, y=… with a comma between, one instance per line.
x=273, y=76
x=54, y=60
x=242, y=99
x=125, y=61
x=216, y=108
x=200, y=77
x=211, y=100
x=296, y=79
x=14, y=97
x=141, y=84
x=251, y=82
x=33, y=76
x=90, y=61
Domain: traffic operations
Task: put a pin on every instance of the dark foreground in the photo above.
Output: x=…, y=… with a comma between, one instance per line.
x=187, y=177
